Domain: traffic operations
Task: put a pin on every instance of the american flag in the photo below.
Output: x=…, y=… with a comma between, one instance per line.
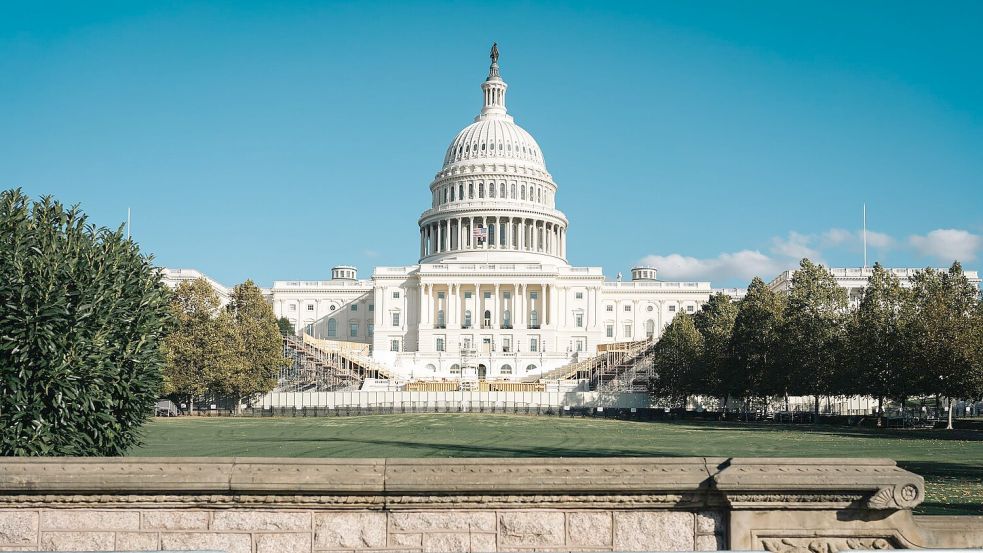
x=479, y=233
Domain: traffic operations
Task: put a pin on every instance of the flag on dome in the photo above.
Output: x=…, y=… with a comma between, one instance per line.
x=480, y=233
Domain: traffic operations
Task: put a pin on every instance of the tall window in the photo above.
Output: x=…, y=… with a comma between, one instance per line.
x=533, y=319
x=649, y=328
x=501, y=190
x=332, y=328
x=481, y=190
x=394, y=345
x=610, y=331
x=396, y=318
x=467, y=319
x=353, y=330
x=628, y=330
x=491, y=190
x=370, y=328
x=579, y=317
x=487, y=319
x=460, y=192
x=506, y=319
x=523, y=192
x=534, y=344
x=440, y=344
x=440, y=318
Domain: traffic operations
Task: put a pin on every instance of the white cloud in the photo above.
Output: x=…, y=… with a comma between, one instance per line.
x=948, y=245
x=879, y=240
x=796, y=246
x=835, y=236
x=842, y=237
x=370, y=253
x=744, y=265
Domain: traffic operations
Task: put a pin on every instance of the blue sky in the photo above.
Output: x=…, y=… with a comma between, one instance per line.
x=716, y=140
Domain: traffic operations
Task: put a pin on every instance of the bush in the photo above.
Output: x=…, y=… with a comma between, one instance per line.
x=81, y=315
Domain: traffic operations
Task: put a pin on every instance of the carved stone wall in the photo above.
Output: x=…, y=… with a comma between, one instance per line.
x=629, y=504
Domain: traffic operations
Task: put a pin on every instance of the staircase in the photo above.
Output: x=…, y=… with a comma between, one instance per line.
x=623, y=366
x=314, y=369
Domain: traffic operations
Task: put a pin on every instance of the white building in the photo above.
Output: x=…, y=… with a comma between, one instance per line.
x=854, y=280
x=492, y=279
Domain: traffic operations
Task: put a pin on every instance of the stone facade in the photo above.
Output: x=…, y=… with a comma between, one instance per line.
x=474, y=505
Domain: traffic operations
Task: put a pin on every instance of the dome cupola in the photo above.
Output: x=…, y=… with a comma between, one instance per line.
x=493, y=193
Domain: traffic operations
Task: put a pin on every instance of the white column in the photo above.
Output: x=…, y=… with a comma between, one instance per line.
x=496, y=309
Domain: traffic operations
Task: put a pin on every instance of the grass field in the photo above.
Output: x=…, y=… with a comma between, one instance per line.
x=951, y=462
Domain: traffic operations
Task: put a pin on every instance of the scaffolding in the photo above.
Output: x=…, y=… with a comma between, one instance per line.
x=314, y=369
x=618, y=367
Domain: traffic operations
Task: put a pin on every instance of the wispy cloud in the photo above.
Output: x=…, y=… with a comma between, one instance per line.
x=744, y=264
x=947, y=245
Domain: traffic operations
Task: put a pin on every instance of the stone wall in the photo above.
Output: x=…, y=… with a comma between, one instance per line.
x=292, y=505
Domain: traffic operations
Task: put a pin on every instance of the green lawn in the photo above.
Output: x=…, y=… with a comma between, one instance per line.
x=951, y=462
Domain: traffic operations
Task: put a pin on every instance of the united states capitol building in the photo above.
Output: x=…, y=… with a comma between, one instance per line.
x=492, y=295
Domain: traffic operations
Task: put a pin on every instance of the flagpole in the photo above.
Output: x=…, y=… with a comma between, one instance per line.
x=865, y=235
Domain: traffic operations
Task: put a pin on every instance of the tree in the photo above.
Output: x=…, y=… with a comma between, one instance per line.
x=286, y=328
x=753, y=349
x=878, y=354
x=201, y=346
x=812, y=333
x=261, y=348
x=676, y=357
x=715, y=322
x=81, y=319
x=943, y=333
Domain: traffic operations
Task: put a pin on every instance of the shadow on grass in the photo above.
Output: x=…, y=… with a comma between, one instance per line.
x=892, y=433
x=473, y=450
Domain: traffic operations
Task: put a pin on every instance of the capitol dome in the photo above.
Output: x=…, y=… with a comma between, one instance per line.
x=493, y=192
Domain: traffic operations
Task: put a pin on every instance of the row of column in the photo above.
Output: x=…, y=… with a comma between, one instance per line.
x=503, y=233
x=520, y=306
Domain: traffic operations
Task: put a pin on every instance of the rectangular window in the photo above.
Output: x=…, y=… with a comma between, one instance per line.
x=580, y=345
x=354, y=307
x=370, y=327
x=580, y=295
x=610, y=331
x=371, y=307
x=610, y=308
x=396, y=295
x=353, y=330
x=507, y=295
x=293, y=307
x=672, y=308
x=627, y=331
x=533, y=344
x=628, y=307
x=487, y=295
x=689, y=308
x=440, y=295
x=310, y=307
x=467, y=295
x=580, y=320
x=394, y=345
x=440, y=344
x=506, y=344
x=396, y=319
x=533, y=295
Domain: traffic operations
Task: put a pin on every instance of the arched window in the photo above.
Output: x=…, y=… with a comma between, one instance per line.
x=467, y=319
x=460, y=192
x=530, y=368
x=452, y=193
x=506, y=369
x=471, y=190
x=539, y=195
x=491, y=190
x=649, y=328
x=487, y=320
x=481, y=190
x=455, y=369
x=431, y=368
x=332, y=328
x=445, y=195
x=513, y=191
x=523, y=192
x=501, y=190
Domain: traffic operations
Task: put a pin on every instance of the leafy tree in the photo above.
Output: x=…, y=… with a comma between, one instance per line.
x=943, y=333
x=715, y=322
x=82, y=316
x=286, y=329
x=754, y=346
x=879, y=358
x=676, y=359
x=260, y=348
x=813, y=331
x=201, y=346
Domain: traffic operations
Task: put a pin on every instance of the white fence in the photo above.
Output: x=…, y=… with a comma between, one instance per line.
x=425, y=400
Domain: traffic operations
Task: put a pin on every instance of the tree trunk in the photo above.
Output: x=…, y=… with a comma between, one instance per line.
x=949, y=426
x=816, y=408
x=786, y=401
x=880, y=411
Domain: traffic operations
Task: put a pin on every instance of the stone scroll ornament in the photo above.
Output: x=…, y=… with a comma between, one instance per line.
x=899, y=496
